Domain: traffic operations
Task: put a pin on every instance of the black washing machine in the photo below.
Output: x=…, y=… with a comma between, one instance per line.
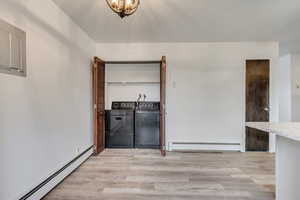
x=120, y=125
x=147, y=125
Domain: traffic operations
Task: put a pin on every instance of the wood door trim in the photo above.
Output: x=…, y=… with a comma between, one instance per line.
x=98, y=148
x=96, y=59
x=163, y=70
x=163, y=98
x=95, y=98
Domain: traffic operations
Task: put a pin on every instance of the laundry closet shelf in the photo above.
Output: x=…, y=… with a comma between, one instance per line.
x=133, y=83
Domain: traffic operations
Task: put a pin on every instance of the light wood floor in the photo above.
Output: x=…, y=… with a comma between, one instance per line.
x=144, y=174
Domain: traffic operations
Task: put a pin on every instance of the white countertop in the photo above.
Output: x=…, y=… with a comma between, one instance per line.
x=289, y=130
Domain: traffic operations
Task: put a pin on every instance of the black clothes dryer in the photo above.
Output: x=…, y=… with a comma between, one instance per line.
x=147, y=125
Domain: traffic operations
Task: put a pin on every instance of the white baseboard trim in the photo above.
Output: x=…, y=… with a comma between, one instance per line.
x=44, y=188
x=200, y=146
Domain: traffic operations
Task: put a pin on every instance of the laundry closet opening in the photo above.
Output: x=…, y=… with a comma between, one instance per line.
x=129, y=104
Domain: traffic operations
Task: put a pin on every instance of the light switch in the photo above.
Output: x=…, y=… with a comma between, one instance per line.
x=174, y=84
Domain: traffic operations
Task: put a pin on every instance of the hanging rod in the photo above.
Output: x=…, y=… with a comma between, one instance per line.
x=132, y=83
x=134, y=62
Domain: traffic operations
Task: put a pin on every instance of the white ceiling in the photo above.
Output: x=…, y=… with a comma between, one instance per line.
x=191, y=21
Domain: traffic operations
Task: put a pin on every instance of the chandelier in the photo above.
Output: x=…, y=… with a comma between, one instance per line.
x=123, y=7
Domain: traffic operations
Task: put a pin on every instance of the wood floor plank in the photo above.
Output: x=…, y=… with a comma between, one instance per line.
x=130, y=174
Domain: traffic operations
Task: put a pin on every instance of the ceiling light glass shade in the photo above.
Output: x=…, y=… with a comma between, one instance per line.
x=123, y=7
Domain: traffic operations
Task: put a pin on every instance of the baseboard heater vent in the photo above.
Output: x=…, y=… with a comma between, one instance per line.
x=203, y=146
x=47, y=185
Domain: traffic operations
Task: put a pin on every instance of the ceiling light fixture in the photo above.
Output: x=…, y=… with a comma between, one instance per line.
x=123, y=7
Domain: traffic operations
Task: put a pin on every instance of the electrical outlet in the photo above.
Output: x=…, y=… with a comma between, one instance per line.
x=78, y=150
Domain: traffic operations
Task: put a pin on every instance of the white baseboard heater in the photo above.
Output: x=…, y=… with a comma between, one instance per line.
x=203, y=146
x=52, y=181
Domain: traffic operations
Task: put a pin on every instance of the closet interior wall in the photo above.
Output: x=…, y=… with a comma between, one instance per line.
x=124, y=82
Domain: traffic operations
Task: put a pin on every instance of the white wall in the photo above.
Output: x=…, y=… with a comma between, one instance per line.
x=205, y=85
x=45, y=118
x=285, y=97
x=289, y=102
x=295, y=70
x=146, y=78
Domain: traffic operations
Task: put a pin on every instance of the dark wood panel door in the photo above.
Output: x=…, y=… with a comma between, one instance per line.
x=99, y=104
x=257, y=103
x=163, y=74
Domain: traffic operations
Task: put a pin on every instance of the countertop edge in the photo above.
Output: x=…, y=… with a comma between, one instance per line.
x=273, y=128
